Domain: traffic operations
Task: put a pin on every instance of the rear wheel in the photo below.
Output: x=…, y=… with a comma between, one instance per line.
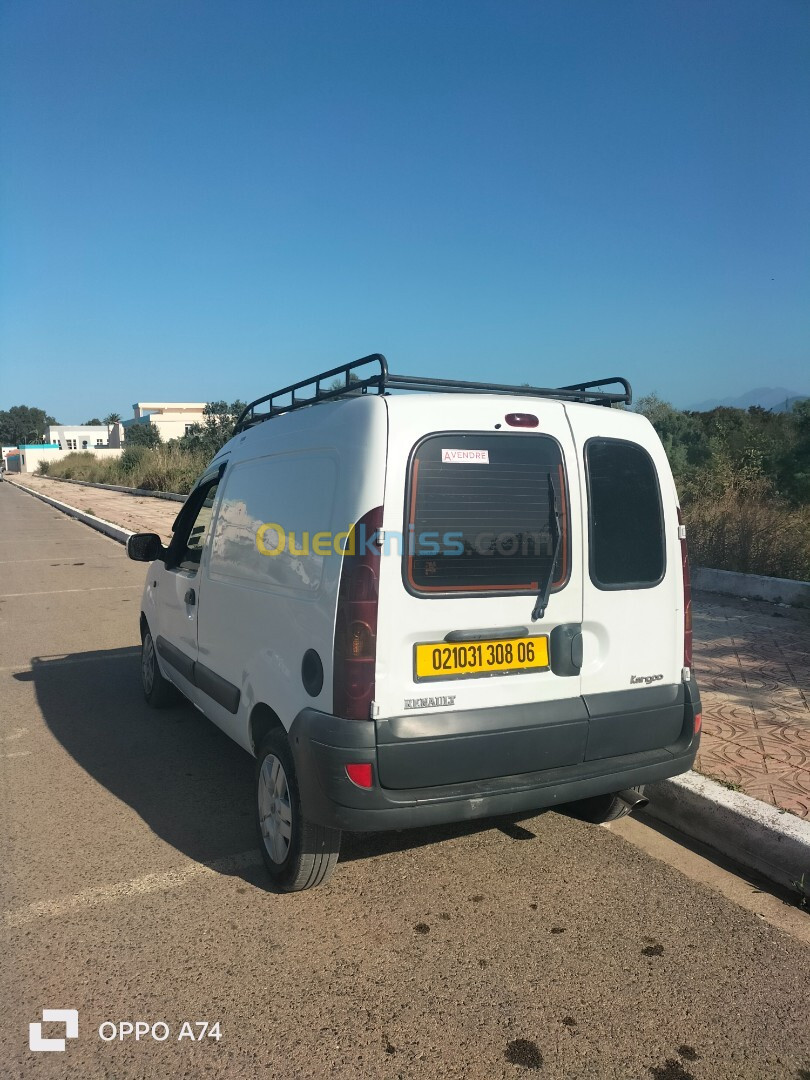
x=159, y=692
x=298, y=853
x=601, y=808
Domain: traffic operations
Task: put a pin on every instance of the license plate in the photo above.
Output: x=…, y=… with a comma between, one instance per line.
x=459, y=660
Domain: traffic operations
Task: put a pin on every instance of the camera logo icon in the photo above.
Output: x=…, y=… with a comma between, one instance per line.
x=68, y=1017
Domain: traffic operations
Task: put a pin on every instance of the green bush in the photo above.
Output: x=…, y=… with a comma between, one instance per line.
x=169, y=468
x=132, y=457
x=162, y=468
x=744, y=479
x=144, y=434
x=77, y=466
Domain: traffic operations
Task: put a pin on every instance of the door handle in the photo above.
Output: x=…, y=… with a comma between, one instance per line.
x=565, y=649
x=190, y=597
x=484, y=635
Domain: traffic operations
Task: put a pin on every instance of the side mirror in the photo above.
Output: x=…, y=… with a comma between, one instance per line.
x=145, y=547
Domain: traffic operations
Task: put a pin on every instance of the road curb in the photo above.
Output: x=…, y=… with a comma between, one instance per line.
x=115, y=532
x=143, y=492
x=755, y=835
x=752, y=586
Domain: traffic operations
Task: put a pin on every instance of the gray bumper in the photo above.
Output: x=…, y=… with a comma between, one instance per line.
x=434, y=768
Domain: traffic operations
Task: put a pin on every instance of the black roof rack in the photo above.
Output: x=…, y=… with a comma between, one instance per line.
x=309, y=391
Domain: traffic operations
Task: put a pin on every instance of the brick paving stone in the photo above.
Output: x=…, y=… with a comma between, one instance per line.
x=752, y=662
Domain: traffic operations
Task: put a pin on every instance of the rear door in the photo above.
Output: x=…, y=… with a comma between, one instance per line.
x=632, y=585
x=474, y=499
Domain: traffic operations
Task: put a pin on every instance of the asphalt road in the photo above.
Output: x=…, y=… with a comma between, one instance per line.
x=132, y=891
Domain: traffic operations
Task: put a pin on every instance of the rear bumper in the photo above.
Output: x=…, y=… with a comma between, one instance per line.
x=542, y=756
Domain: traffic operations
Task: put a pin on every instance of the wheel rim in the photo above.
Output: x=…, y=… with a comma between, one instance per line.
x=275, y=812
x=148, y=664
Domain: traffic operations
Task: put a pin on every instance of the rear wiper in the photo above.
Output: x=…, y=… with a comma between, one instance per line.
x=554, y=521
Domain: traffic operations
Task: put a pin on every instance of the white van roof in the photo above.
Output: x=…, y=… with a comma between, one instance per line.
x=371, y=374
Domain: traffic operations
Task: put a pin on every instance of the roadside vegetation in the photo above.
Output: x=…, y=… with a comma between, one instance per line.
x=743, y=477
x=744, y=482
x=160, y=468
x=148, y=463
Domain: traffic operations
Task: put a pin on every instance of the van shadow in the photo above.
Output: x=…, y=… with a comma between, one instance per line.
x=187, y=780
x=190, y=783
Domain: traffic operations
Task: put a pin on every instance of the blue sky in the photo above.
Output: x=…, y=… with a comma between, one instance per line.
x=206, y=200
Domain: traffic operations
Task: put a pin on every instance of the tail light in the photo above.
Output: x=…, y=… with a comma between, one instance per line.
x=360, y=774
x=687, y=599
x=356, y=623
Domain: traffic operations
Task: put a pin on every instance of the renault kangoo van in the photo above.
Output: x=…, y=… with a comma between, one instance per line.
x=418, y=601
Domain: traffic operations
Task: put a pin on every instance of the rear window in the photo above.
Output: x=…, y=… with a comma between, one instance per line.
x=480, y=511
x=625, y=518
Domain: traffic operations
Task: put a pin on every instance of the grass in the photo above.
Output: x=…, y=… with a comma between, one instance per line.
x=739, y=522
x=162, y=468
x=724, y=783
x=802, y=887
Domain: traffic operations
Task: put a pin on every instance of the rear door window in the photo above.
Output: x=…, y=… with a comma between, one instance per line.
x=480, y=513
x=625, y=519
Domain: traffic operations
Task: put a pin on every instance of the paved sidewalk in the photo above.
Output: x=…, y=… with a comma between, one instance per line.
x=752, y=661
x=753, y=668
x=138, y=513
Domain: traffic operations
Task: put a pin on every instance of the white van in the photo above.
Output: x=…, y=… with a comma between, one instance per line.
x=418, y=601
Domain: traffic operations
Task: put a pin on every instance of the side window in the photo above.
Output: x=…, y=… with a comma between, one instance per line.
x=273, y=521
x=191, y=540
x=625, y=520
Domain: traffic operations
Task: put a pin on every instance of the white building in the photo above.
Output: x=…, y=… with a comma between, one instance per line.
x=79, y=436
x=172, y=418
x=26, y=458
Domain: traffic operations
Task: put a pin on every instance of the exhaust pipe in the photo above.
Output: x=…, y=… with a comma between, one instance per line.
x=632, y=799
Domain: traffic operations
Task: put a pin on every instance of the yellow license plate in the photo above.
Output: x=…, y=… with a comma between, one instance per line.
x=461, y=659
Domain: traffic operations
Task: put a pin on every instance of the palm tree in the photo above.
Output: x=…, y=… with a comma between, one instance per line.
x=112, y=418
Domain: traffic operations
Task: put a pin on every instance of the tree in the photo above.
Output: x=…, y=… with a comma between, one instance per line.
x=748, y=442
x=684, y=440
x=142, y=435
x=215, y=430
x=23, y=423
x=794, y=462
x=112, y=418
x=95, y=422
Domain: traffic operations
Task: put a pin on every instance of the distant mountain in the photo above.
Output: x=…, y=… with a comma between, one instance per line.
x=776, y=398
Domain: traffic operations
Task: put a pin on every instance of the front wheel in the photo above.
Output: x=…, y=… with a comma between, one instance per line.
x=298, y=853
x=159, y=692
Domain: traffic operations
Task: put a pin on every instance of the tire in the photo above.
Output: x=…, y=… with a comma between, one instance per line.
x=298, y=853
x=601, y=808
x=159, y=692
